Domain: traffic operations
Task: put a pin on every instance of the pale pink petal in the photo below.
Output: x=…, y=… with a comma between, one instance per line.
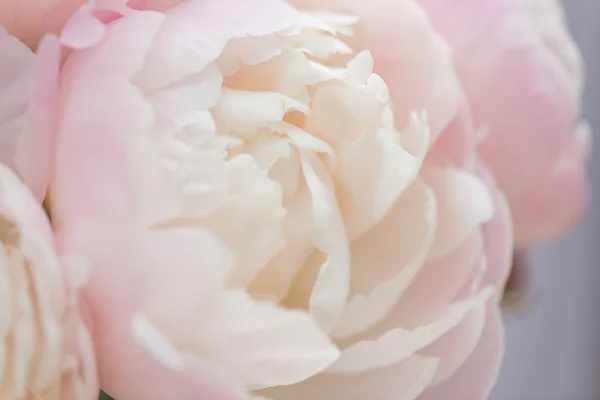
x=93, y=175
x=552, y=206
x=475, y=379
x=456, y=145
x=122, y=360
x=456, y=346
x=28, y=102
x=34, y=157
x=438, y=284
x=83, y=29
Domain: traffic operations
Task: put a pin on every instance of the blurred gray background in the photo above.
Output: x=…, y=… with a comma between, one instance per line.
x=553, y=349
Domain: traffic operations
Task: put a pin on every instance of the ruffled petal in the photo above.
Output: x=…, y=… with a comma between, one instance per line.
x=326, y=276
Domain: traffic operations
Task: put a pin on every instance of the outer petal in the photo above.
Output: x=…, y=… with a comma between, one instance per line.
x=402, y=381
x=93, y=176
x=119, y=283
x=456, y=347
x=497, y=236
x=475, y=379
x=552, y=206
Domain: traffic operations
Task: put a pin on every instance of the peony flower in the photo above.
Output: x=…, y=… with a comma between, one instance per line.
x=45, y=343
x=523, y=74
x=264, y=216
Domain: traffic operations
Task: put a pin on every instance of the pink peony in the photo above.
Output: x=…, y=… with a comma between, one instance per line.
x=259, y=220
x=523, y=74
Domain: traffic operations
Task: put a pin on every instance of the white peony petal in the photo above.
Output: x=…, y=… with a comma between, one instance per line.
x=249, y=50
x=331, y=287
x=401, y=242
x=317, y=45
x=288, y=173
x=464, y=202
x=304, y=140
x=267, y=345
x=167, y=63
x=268, y=151
x=180, y=180
x=250, y=221
x=374, y=171
x=341, y=113
x=402, y=381
x=360, y=68
x=258, y=343
x=244, y=111
x=275, y=280
x=289, y=73
x=198, y=92
x=398, y=344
